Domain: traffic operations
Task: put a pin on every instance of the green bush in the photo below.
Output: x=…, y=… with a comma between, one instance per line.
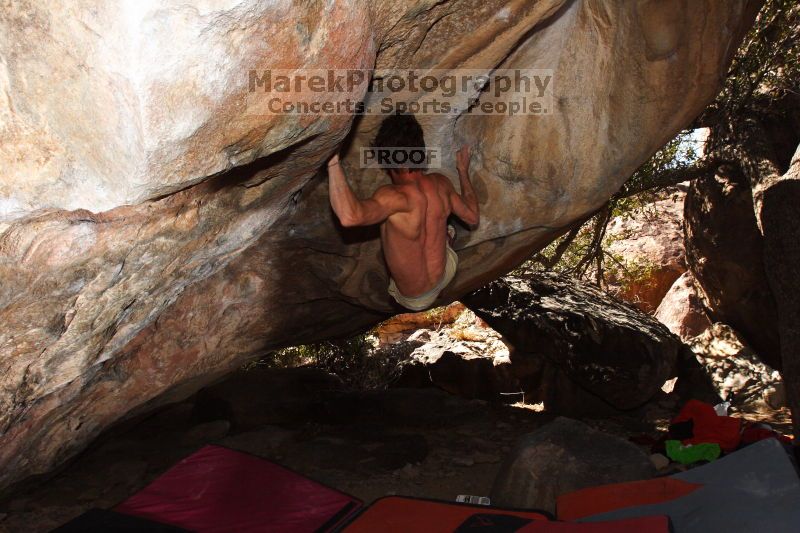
x=354, y=360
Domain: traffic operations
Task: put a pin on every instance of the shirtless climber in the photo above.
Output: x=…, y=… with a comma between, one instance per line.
x=412, y=212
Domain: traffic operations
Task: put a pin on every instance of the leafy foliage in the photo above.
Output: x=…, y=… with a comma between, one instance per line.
x=765, y=65
x=355, y=360
x=768, y=60
x=583, y=252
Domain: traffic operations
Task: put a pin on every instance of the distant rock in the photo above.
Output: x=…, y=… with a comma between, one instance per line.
x=682, y=310
x=563, y=456
x=575, y=347
x=400, y=327
x=649, y=246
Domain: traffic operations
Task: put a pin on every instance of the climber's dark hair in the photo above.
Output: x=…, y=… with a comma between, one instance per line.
x=401, y=130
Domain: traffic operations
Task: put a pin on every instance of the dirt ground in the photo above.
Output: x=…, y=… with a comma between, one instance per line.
x=416, y=442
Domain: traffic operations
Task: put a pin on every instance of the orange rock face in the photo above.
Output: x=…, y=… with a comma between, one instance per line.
x=400, y=326
x=649, y=247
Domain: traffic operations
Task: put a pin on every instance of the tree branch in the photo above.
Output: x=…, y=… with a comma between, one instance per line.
x=596, y=247
x=673, y=176
x=549, y=262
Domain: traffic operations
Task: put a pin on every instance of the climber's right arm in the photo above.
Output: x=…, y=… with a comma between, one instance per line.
x=353, y=211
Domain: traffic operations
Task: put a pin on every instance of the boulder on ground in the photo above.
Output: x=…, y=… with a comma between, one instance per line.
x=573, y=345
x=693, y=381
x=724, y=250
x=737, y=372
x=563, y=456
x=682, y=310
x=465, y=357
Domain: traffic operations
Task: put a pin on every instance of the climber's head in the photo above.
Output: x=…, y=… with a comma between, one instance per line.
x=398, y=132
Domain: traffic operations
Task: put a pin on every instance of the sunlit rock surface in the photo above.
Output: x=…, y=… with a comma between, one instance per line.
x=738, y=374
x=154, y=234
x=681, y=310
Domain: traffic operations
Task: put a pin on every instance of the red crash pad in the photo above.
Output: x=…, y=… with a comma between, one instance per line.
x=397, y=514
x=604, y=498
x=218, y=489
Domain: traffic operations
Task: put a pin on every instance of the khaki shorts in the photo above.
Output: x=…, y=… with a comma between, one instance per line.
x=424, y=301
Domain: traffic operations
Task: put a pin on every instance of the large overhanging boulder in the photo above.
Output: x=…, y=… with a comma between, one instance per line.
x=154, y=234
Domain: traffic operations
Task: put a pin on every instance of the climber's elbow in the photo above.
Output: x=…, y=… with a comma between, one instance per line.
x=348, y=220
x=351, y=217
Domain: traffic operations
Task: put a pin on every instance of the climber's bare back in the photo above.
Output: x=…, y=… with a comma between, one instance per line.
x=414, y=241
x=412, y=213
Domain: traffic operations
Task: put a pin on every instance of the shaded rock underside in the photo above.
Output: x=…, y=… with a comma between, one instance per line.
x=154, y=235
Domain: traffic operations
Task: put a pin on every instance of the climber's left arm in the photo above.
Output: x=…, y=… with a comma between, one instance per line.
x=465, y=205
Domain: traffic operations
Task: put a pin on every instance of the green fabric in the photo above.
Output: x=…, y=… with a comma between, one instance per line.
x=691, y=453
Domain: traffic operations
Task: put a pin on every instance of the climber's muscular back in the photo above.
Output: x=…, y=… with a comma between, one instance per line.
x=413, y=214
x=414, y=241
